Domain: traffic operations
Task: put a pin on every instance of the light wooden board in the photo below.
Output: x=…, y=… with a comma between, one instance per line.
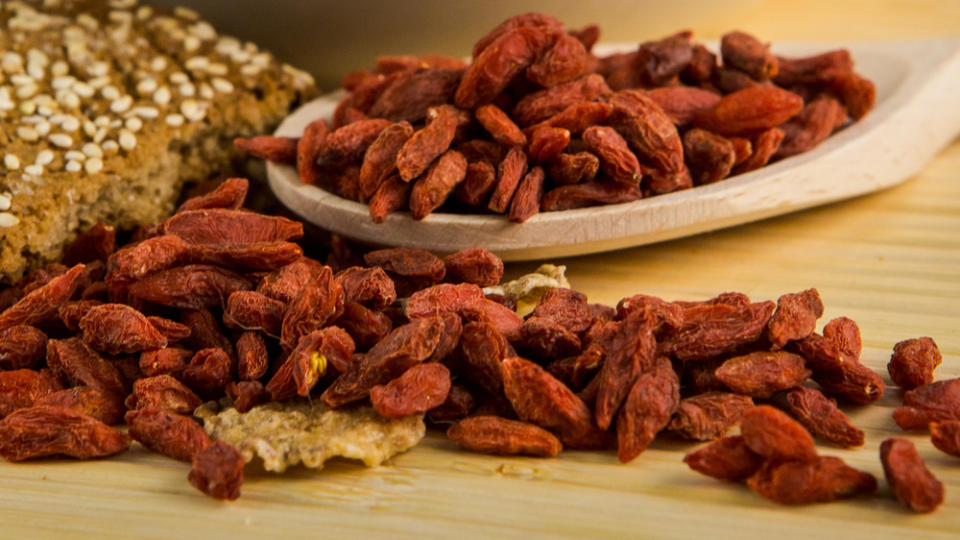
x=891, y=261
x=917, y=112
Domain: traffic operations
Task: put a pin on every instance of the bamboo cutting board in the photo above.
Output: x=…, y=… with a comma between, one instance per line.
x=890, y=261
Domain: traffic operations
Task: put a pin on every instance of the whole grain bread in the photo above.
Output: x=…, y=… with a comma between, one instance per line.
x=107, y=108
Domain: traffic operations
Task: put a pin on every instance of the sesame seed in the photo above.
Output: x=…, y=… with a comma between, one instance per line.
x=36, y=56
x=186, y=13
x=92, y=150
x=89, y=128
x=102, y=120
x=110, y=92
x=179, y=78
x=33, y=170
x=110, y=146
x=127, y=140
x=204, y=31
x=99, y=69
x=159, y=63
x=62, y=82
x=145, y=112
x=74, y=155
x=193, y=110
x=191, y=43
x=70, y=124
x=61, y=140
x=21, y=80
x=197, y=63
x=43, y=110
x=11, y=161
x=116, y=124
x=5, y=202
x=134, y=124
x=121, y=104
x=27, y=133
x=68, y=99
x=217, y=68
x=261, y=60
x=121, y=17
x=98, y=82
x=93, y=165
x=146, y=86
x=26, y=91
x=87, y=21
x=59, y=68
x=100, y=135
x=250, y=70
x=12, y=62
x=187, y=90
x=222, y=85
x=8, y=220
x=162, y=96
x=28, y=107
x=42, y=128
x=144, y=12
x=44, y=158
x=73, y=166
x=36, y=71
x=83, y=89
x=57, y=119
x=206, y=92
x=174, y=120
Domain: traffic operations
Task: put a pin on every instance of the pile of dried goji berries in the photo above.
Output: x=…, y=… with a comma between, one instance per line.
x=536, y=122
x=218, y=301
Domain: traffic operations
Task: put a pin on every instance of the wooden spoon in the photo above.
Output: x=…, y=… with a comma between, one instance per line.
x=917, y=113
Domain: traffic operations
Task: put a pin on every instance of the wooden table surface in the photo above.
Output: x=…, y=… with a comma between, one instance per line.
x=890, y=261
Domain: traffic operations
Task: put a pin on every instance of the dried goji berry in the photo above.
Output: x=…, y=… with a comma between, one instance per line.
x=119, y=329
x=517, y=21
x=194, y=286
x=477, y=183
x=381, y=157
x=509, y=173
x=616, y=159
x=163, y=392
x=651, y=402
x=496, y=435
x=44, y=431
x=945, y=435
x=217, y=471
x=911, y=482
x=728, y=458
x=73, y=361
x=228, y=226
x=505, y=320
x=750, y=109
x=662, y=60
x=94, y=244
x=409, y=96
x=573, y=168
x=286, y=282
x=457, y=405
x=709, y=415
x=539, y=106
x=21, y=346
x=419, y=389
x=761, y=374
x=473, y=265
x=495, y=67
x=270, y=148
x=681, y=103
x=318, y=303
x=87, y=401
x=251, y=310
x=21, y=388
x=710, y=157
x=822, y=418
x=913, y=362
x=775, y=436
x=425, y=145
x=392, y=195
x=589, y=194
x=205, y=331
x=410, y=269
x=365, y=326
x=482, y=348
x=717, y=326
x=166, y=432
x=546, y=143
x=567, y=59
x=526, y=200
x=746, y=53
x=231, y=193
x=41, y=304
x=432, y=189
x=247, y=395
x=932, y=402
x=208, y=371
x=500, y=126
x=819, y=479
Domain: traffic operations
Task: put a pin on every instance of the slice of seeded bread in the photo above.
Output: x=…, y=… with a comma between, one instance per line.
x=108, y=108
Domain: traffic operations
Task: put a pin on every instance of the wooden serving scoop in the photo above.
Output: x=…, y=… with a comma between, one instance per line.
x=917, y=113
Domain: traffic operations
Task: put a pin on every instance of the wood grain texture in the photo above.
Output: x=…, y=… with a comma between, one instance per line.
x=890, y=261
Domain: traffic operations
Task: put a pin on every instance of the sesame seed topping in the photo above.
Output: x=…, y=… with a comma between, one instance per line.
x=8, y=220
x=27, y=133
x=59, y=68
x=26, y=91
x=145, y=112
x=133, y=124
x=217, y=68
x=193, y=110
x=99, y=69
x=89, y=128
x=92, y=150
x=110, y=146
x=127, y=140
x=116, y=123
x=11, y=162
x=162, y=96
x=110, y=92
x=204, y=31
x=36, y=71
x=147, y=86
x=102, y=121
x=28, y=107
x=21, y=80
x=73, y=166
x=159, y=63
x=93, y=165
x=98, y=82
x=179, y=77
x=61, y=140
x=70, y=124
x=62, y=82
x=206, y=91
x=144, y=13
x=68, y=99
x=186, y=13
x=5, y=202
x=74, y=155
x=121, y=104
x=100, y=135
x=44, y=158
x=33, y=170
x=42, y=128
x=174, y=120
x=83, y=89
x=187, y=90
x=222, y=85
